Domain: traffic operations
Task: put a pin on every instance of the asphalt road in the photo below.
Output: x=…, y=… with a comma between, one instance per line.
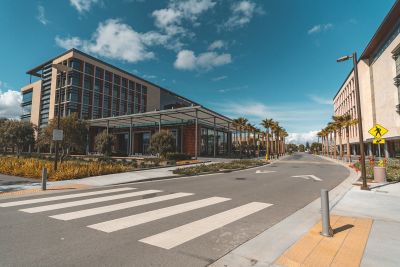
x=230, y=209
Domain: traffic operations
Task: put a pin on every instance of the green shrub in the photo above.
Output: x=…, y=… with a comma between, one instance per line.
x=178, y=156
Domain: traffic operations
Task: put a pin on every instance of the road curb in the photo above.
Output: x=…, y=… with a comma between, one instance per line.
x=264, y=249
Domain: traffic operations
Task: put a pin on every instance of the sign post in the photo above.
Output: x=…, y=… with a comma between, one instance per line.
x=378, y=131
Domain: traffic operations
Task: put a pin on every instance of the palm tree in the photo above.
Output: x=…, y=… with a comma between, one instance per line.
x=319, y=136
x=278, y=130
x=241, y=124
x=326, y=137
x=339, y=122
x=284, y=135
x=267, y=124
x=347, y=122
x=333, y=128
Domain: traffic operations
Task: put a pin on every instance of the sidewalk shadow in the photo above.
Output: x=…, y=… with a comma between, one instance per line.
x=342, y=228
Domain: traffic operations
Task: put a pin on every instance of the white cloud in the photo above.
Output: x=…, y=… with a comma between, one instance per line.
x=41, y=16
x=320, y=28
x=321, y=100
x=10, y=102
x=302, y=138
x=187, y=60
x=242, y=13
x=116, y=40
x=219, y=78
x=218, y=44
x=171, y=20
x=230, y=89
x=83, y=5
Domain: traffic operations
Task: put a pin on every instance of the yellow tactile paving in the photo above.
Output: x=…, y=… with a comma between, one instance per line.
x=52, y=188
x=302, y=248
x=353, y=247
x=344, y=249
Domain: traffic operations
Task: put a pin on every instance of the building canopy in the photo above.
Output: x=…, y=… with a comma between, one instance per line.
x=159, y=117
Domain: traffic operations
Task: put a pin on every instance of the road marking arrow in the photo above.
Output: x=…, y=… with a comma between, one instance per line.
x=308, y=176
x=258, y=171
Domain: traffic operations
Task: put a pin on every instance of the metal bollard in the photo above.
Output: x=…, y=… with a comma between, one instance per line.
x=326, y=223
x=44, y=178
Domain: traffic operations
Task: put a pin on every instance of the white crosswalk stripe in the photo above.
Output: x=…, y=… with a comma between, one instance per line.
x=120, y=206
x=87, y=201
x=187, y=232
x=167, y=240
x=137, y=219
x=47, y=199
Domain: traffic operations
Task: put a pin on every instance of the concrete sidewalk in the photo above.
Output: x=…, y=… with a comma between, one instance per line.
x=372, y=240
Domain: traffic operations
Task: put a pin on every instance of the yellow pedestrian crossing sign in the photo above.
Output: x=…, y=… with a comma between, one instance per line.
x=378, y=131
x=379, y=141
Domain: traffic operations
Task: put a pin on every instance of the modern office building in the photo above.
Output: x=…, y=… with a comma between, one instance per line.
x=130, y=107
x=379, y=78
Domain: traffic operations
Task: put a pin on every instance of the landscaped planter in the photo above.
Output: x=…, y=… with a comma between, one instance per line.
x=379, y=174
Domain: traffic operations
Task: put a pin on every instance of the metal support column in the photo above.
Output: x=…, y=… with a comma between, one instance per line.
x=181, y=136
x=130, y=139
x=159, y=124
x=108, y=126
x=196, y=136
x=229, y=140
x=215, y=140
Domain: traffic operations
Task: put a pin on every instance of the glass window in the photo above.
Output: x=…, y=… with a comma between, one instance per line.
x=210, y=139
x=99, y=72
x=26, y=110
x=97, y=85
x=85, y=99
x=107, y=88
x=117, y=79
x=76, y=64
x=144, y=89
x=89, y=68
x=124, y=82
x=87, y=83
x=108, y=76
x=131, y=85
x=27, y=96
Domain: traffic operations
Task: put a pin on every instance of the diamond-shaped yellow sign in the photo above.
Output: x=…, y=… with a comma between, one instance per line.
x=378, y=131
x=378, y=141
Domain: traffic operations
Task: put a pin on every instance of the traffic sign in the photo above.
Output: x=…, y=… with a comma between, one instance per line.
x=58, y=135
x=378, y=131
x=379, y=141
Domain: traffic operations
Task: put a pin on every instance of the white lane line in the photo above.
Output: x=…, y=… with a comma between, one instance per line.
x=177, y=236
x=259, y=171
x=308, y=176
x=133, y=220
x=46, y=199
x=87, y=201
x=110, y=208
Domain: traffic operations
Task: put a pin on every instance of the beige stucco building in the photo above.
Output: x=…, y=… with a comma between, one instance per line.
x=379, y=79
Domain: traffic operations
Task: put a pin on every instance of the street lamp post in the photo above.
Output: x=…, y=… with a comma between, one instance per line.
x=61, y=68
x=364, y=185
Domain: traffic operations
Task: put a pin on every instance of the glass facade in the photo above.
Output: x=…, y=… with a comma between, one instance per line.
x=26, y=105
x=207, y=142
x=93, y=93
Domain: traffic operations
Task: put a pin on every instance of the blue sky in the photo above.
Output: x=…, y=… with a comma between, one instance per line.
x=258, y=59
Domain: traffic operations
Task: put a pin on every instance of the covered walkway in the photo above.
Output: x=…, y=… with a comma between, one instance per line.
x=184, y=123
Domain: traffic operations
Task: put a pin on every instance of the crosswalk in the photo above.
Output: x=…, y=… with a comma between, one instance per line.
x=166, y=240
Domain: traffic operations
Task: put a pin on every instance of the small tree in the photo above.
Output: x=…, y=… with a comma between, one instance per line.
x=162, y=143
x=75, y=134
x=103, y=143
x=17, y=134
x=301, y=148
